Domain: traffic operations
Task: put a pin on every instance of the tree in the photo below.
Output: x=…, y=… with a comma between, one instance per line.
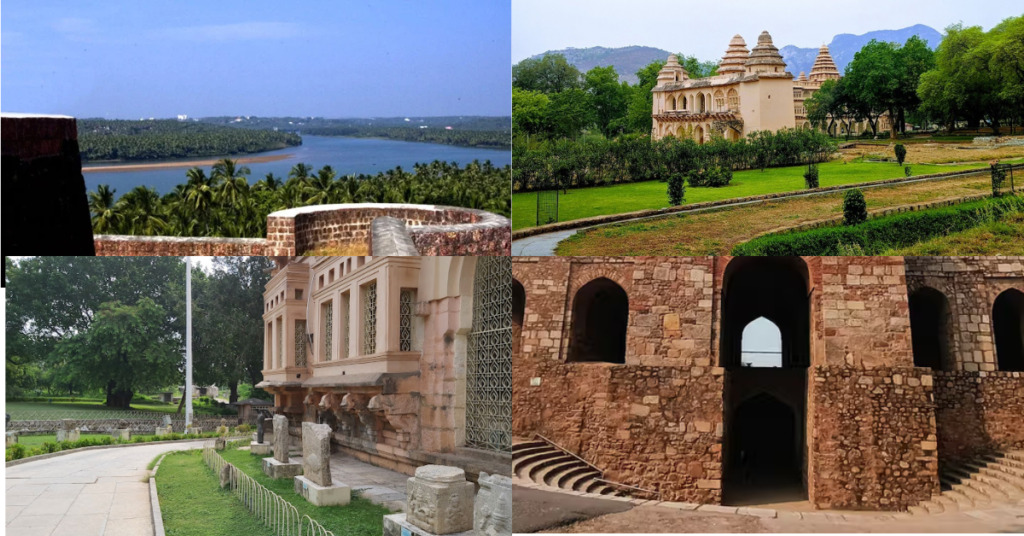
x=233, y=185
x=570, y=112
x=549, y=74
x=123, y=349
x=696, y=68
x=607, y=96
x=885, y=77
x=529, y=111
x=105, y=217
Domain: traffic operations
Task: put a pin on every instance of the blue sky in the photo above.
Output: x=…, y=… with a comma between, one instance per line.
x=704, y=28
x=214, y=57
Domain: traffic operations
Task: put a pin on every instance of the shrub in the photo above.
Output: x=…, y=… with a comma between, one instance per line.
x=714, y=177
x=15, y=452
x=998, y=178
x=855, y=209
x=906, y=171
x=881, y=234
x=676, y=189
x=811, y=176
x=901, y=153
x=243, y=429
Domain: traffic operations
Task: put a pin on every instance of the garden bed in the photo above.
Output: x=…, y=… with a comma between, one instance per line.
x=878, y=235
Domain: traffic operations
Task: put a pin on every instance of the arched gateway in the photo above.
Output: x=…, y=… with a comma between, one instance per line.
x=765, y=349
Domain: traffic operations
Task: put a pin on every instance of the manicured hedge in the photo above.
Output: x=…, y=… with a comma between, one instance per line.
x=880, y=234
x=19, y=451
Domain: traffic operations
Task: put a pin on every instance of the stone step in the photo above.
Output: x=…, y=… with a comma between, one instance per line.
x=583, y=483
x=527, y=465
x=551, y=472
x=518, y=455
x=1016, y=472
x=525, y=448
x=537, y=467
x=918, y=510
x=933, y=507
x=979, y=499
x=977, y=481
x=948, y=504
x=959, y=498
x=1015, y=455
x=1012, y=462
x=568, y=476
x=1011, y=485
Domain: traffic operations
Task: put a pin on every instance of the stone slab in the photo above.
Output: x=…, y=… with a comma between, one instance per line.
x=281, y=438
x=316, y=453
x=276, y=469
x=122, y=433
x=397, y=525
x=336, y=494
x=716, y=509
x=260, y=449
x=767, y=513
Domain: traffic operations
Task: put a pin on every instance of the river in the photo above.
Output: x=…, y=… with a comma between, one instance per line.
x=345, y=155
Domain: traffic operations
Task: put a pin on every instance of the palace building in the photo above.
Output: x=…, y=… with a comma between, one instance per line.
x=866, y=383
x=408, y=359
x=752, y=91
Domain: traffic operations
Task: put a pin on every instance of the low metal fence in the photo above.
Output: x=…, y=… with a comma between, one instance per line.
x=272, y=510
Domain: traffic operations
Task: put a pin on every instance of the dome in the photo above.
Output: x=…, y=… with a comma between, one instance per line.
x=765, y=57
x=672, y=72
x=735, y=56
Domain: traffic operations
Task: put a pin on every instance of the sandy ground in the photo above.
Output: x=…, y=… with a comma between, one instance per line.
x=183, y=164
x=937, y=153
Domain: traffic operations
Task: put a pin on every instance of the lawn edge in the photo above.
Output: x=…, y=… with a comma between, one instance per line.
x=48, y=455
x=612, y=218
x=158, y=517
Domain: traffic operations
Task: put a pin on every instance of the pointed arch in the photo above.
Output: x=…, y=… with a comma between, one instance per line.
x=761, y=344
x=929, y=332
x=600, y=314
x=1008, y=328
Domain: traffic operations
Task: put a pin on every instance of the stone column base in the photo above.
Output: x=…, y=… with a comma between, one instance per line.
x=260, y=449
x=336, y=494
x=276, y=469
x=122, y=433
x=396, y=525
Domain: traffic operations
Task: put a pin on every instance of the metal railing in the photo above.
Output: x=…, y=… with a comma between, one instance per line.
x=273, y=511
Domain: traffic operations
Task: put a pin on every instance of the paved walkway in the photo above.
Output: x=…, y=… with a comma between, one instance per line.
x=91, y=493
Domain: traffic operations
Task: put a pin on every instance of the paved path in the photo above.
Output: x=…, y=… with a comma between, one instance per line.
x=91, y=493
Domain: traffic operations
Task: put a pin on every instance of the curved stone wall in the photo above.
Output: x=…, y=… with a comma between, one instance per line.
x=436, y=230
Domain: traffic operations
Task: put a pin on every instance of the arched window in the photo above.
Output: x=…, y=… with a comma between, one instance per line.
x=734, y=100
x=1008, y=324
x=682, y=99
x=929, y=313
x=671, y=103
x=489, y=358
x=600, y=313
x=700, y=103
x=518, y=313
x=698, y=133
x=762, y=344
x=719, y=101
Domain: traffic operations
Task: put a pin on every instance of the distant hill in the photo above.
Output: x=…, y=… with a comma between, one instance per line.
x=844, y=46
x=628, y=60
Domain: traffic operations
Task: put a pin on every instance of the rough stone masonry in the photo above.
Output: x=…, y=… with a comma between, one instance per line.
x=858, y=411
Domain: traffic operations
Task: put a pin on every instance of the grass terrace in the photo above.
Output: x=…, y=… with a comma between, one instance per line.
x=630, y=197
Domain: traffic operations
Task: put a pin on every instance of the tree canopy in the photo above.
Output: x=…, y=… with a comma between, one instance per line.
x=548, y=74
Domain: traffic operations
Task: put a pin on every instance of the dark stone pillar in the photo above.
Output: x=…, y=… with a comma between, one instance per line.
x=46, y=211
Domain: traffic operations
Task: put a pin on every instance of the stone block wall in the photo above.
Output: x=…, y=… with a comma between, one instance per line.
x=120, y=245
x=875, y=444
x=456, y=231
x=978, y=412
x=47, y=212
x=971, y=285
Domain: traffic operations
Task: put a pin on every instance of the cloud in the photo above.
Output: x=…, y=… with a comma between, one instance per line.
x=239, y=31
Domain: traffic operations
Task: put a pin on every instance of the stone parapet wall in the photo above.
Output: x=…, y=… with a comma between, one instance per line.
x=444, y=230
x=47, y=212
x=120, y=245
x=875, y=444
x=978, y=412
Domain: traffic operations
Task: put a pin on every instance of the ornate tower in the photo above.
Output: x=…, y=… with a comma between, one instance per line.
x=765, y=57
x=824, y=68
x=735, y=57
x=672, y=72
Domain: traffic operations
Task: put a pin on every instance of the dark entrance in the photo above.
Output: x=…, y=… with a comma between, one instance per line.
x=929, y=312
x=600, y=313
x=765, y=454
x=518, y=312
x=1008, y=324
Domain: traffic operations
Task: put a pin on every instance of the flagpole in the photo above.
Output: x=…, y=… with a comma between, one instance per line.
x=188, y=343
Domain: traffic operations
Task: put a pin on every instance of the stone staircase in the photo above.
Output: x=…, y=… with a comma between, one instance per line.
x=542, y=462
x=977, y=484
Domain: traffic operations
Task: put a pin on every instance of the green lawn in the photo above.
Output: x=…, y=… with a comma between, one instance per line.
x=995, y=238
x=359, y=518
x=620, y=198
x=193, y=504
x=36, y=440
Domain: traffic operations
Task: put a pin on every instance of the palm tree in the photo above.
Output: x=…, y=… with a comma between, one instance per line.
x=347, y=189
x=300, y=172
x=270, y=183
x=321, y=187
x=105, y=214
x=233, y=184
x=142, y=210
